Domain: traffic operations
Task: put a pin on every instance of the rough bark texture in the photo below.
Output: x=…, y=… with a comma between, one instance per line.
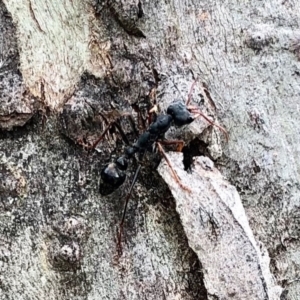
x=67, y=68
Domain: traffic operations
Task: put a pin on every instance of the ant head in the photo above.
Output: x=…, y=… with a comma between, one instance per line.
x=180, y=114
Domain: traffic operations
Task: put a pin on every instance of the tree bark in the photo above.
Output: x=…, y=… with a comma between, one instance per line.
x=68, y=68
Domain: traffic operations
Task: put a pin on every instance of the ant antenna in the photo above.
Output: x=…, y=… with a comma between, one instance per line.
x=198, y=112
x=125, y=208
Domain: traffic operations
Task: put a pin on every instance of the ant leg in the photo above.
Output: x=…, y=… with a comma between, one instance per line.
x=118, y=126
x=190, y=92
x=153, y=110
x=179, y=143
x=124, y=137
x=140, y=120
x=125, y=208
x=94, y=145
x=161, y=150
x=199, y=113
x=194, y=109
x=110, y=124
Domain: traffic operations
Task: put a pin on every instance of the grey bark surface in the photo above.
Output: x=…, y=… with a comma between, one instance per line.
x=64, y=66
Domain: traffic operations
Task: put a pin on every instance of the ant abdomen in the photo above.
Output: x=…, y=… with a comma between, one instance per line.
x=122, y=163
x=112, y=176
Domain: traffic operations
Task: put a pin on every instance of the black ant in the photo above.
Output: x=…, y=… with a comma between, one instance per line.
x=113, y=174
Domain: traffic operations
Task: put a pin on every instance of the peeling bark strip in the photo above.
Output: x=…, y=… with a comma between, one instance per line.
x=217, y=229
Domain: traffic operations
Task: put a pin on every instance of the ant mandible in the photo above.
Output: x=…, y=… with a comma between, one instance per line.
x=178, y=114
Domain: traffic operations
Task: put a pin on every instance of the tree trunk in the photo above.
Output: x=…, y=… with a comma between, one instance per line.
x=70, y=69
